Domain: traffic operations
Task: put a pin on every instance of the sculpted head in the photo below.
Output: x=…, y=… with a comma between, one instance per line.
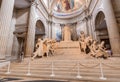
x=39, y=39
x=102, y=42
x=81, y=32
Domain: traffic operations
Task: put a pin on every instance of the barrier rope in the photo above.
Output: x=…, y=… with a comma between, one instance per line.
x=88, y=66
x=47, y=66
x=73, y=67
x=111, y=66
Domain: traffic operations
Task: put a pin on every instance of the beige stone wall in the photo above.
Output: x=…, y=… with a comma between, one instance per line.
x=81, y=26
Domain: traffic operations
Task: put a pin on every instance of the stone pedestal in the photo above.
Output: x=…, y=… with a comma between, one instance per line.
x=113, y=29
x=6, y=13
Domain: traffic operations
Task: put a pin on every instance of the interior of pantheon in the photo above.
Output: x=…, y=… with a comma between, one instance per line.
x=59, y=40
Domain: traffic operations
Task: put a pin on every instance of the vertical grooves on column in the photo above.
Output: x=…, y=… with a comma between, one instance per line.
x=31, y=32
x=5, y=21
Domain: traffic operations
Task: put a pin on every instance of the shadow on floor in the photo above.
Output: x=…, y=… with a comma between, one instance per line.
x=44, y=81
x=9, y=79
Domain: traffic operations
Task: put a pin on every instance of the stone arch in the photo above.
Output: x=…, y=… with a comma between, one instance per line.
x=40, y=28
x=101, y=29
x=44, y=23
x=40, y=31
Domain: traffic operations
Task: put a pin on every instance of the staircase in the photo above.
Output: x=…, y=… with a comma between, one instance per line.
x=67, y=64
x=70, y=70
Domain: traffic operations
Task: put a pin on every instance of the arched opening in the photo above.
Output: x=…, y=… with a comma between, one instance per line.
x=101, y=29
x=39, y=30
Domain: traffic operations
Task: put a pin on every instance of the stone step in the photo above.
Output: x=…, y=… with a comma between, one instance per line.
x=65, y=67
x=70, y=74
x=63, y=71
x=59, y=64
x=72, y=78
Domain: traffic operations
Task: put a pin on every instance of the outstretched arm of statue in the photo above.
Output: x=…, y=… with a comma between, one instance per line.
x=37, y=45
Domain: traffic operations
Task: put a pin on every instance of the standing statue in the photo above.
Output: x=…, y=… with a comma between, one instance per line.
x=39, y=49
x=66, y=33
x=93, y=48
x=88, y=42
x=82, y=41
x=82, y=36
x=45, y=46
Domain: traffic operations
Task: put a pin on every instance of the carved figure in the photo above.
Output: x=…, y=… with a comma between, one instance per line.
x=82, y=36
x=39, y=49
x=93, y=48
x=90, y=46
x=52, y=46
x=82, y=41
x=44, y=46
x=101, y=52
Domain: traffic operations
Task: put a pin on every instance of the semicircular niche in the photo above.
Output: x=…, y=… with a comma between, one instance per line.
x=68, y=6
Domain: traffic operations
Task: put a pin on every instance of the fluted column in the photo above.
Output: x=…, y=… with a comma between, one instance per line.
x=31, y=32
x=11, y=37
x=50, y=29
x=5, y=21
x=113, y=29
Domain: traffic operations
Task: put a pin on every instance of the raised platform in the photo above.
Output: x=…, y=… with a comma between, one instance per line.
x=68, y=48
x=68, y=44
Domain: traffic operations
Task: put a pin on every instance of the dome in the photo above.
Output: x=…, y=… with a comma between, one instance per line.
x=67, y=6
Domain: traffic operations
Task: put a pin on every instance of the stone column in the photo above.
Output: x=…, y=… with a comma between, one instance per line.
x=53, y=31
x=6, y=13
x=50, y=29
x=11, y=37
x=31, y=32
x=113, y=29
